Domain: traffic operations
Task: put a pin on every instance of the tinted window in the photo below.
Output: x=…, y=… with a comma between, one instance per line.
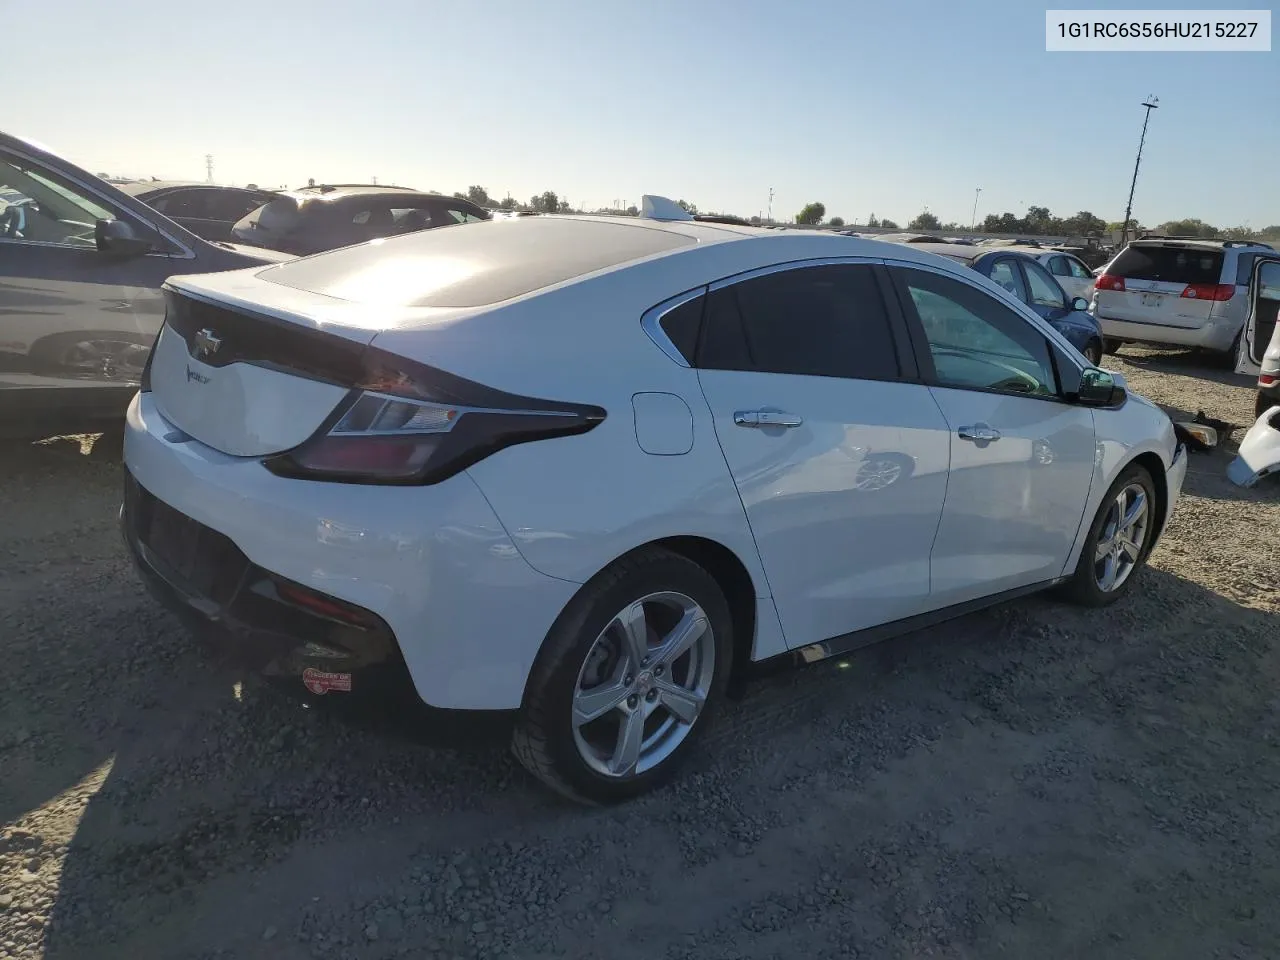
x=231, y=205
x=1005, y=273
x=1168, y=264
x=825, y=321
x=1058, y=267
x=38, y=207
x=977, y=342
x=182, y=203
x=1044, y=290
x=1244, y=266
x=682, y=326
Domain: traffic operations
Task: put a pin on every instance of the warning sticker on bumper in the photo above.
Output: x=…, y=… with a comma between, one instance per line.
x=321, y=682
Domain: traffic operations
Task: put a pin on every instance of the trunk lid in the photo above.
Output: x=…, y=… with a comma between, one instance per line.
x=252, y=368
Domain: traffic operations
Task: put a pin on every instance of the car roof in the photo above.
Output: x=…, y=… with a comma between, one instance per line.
x=143, y=188
x=1203, y=243
x=524, y=255
x=349, y=189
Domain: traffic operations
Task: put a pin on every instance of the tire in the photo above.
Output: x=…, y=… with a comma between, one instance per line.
x=1111, y=346
x=1093, y=352
x=1086, y=587
x=585, y=653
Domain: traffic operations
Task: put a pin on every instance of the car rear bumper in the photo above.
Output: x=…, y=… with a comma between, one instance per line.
x=1212, y=336
x=432, y=565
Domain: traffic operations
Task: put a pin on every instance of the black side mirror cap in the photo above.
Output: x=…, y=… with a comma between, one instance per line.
x=116, y=238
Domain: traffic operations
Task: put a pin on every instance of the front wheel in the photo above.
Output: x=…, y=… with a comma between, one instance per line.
x=1118, y=543
x=626, y=679
x=1093, y=352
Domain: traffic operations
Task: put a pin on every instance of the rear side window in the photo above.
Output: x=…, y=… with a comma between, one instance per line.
x=1168, y=264
x=1245, y=264
x=827, y=321
x=1078, y=269
x=682, y=325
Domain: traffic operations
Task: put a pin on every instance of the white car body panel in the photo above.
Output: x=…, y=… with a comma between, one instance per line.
x=428, y=560
x=1259, y=451
x=472, y=572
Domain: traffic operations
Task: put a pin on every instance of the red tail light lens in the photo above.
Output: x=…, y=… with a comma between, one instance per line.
x=411, y=424
x=1209, y=291
x=1109, y=281
x=1267, y=379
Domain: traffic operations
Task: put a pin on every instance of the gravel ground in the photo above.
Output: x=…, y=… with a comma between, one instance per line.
x=1033, y=781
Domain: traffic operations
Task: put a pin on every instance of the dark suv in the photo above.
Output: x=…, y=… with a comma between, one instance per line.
x=81, y=264
x=206, y=209
x=318, y=218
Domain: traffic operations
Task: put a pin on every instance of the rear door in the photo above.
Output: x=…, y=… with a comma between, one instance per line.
x=1166, y=284
x=1021, y=458
x=1260, y=348
x=838, y=453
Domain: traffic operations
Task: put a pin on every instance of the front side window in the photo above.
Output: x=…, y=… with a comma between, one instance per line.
x=1058, y=267
x=1078, y=269
x=975, y=341
x=1005, y=273
x=825, y=321
x=1045, y=291
x=37, y=206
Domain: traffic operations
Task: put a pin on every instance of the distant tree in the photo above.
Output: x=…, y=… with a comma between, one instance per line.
x=873, y=221
x=563, y=207
x=508, y=202
x=479, y=196
x=924, y=221
x=1270, y=233
x=550, y=202
x=812, y=213
x=1083, y=224
x=1189, y=227
x=459, y=195
x=837, y=221
x=755, y=220
x=632, y=211
x=889, y=224
x=688, y=207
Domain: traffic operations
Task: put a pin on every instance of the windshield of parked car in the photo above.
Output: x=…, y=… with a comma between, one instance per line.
x=1168, y=264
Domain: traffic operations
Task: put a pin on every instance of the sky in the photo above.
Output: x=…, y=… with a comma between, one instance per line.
x=888, y=107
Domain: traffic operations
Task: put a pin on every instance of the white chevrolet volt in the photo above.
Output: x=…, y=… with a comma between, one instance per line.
x=587, y=469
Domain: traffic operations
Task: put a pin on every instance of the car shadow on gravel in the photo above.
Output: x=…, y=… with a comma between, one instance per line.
x=1189, y=363
x=1100, y=767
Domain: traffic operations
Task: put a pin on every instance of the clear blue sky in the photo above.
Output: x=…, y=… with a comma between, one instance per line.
x=887, y=106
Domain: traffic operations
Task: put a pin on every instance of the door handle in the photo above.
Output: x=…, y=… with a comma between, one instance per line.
x=979, y=433
x=766, y=418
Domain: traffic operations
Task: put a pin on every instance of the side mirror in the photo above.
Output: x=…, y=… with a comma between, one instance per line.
x=1079, y=303
x=117, y=238
x=1099, y=389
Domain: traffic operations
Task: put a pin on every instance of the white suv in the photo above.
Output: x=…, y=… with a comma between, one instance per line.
x=1177, y=290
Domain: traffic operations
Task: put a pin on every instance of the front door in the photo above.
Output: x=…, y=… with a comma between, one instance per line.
x=841, y=464
x=1021, y=458
x=1264, y=300
x=75, y=323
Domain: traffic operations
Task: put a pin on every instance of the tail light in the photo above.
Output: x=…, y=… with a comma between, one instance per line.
x=1209, y=291
x=407, y=423
x=1267, y=380
x=1109, y=281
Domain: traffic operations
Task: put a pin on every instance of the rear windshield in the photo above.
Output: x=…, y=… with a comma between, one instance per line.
x=474, y=264
x=1169, y=264
x=274, y=219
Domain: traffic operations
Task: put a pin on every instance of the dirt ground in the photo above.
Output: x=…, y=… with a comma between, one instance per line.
x=1033, y=781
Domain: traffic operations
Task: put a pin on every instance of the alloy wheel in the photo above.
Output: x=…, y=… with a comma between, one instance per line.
x=1122, y=537
x=643, y=684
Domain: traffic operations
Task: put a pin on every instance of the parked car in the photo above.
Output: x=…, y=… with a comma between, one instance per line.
x=315, y=219
x=1072, y=273
x=1260, y=352
x=586, y=468
x=1018, y=271
x=81, y=264
x=1180, y=291
x=206, y=210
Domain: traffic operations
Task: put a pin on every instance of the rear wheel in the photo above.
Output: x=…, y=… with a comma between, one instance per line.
x=1119, y=540
x=1111, y=346
x=626, y=679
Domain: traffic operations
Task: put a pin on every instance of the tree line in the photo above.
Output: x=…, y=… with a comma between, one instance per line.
x=1037, y=220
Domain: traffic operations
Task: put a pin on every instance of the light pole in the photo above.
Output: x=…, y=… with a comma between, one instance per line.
x=770, y=217
x=973, y=219
x=1150, y=103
